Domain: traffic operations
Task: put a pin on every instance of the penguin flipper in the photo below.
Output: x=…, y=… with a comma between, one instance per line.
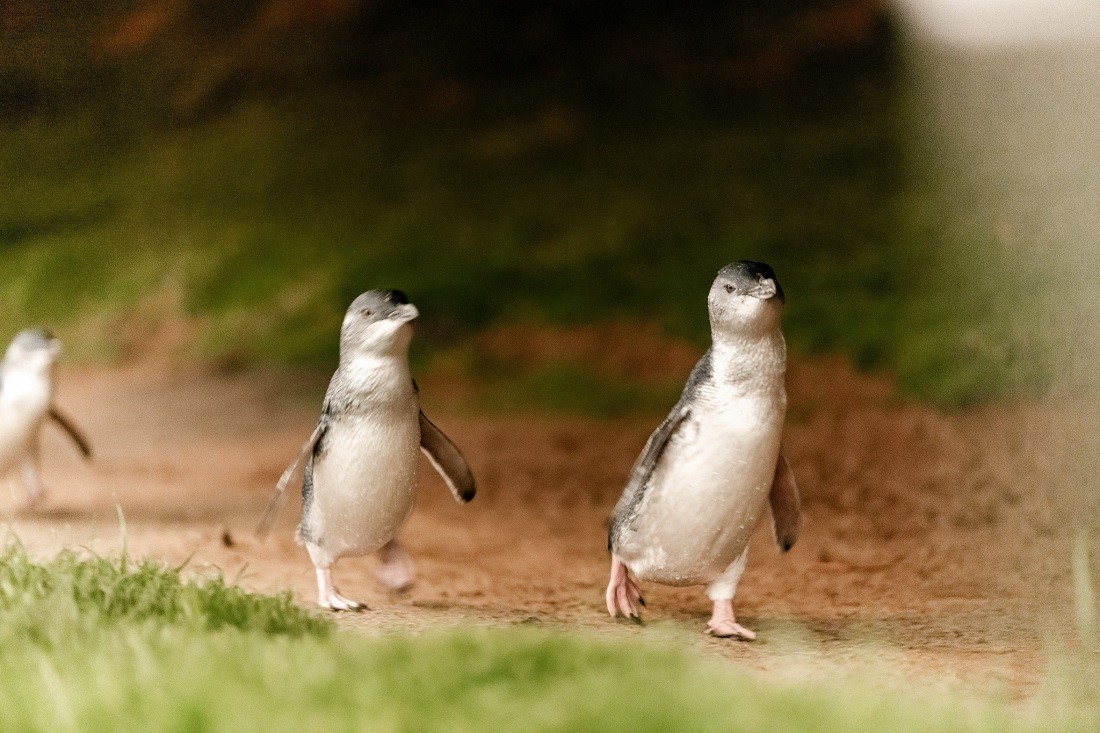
x=786, y=505
x=658, y=441
x=656, y=445
x=70, y=427
x=644, y=467
x=279, y=498
x=447, y=459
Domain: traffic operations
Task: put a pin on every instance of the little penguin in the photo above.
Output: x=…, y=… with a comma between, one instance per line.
x=27, y=376
x=363, y=458
x=702, y=481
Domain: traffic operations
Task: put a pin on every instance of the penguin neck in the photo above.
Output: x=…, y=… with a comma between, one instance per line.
x=755, y=363
x=371, y=371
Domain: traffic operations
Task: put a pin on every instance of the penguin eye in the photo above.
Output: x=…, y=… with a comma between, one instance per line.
x=367, y=312
x=729, y=288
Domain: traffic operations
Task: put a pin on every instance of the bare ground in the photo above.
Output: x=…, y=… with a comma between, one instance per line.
x=932, y=546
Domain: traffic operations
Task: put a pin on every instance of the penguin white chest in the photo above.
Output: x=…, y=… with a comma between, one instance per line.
x=708, y=492
x=365, y=480
x=24, y=400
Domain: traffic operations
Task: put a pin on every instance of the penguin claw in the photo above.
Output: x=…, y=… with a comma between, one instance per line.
x=732, y=630
x=336, y=602
x=723, y=624
x=622, y=594
x=626, y=604
x=348, y=608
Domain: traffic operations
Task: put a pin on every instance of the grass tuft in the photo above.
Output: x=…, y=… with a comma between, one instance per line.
x=83, y=592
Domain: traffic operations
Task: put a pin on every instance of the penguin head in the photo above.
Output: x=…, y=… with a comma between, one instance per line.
x=745, y=299
x=378, y=322
x=33, y=349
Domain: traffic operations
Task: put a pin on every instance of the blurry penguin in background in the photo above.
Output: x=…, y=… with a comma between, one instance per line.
x=26, y=400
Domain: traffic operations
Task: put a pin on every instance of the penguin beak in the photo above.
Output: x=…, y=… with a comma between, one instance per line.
x=764, y=290
x=404, y=313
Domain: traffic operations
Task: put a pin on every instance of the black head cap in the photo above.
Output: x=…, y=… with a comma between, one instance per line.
x=376, y=305
x=747, y=274
x=35, y=338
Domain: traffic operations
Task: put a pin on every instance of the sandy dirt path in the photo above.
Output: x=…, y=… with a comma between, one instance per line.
x=923, y=547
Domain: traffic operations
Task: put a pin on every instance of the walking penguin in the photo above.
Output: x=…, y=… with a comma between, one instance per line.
x=363, y=458
x=707, y=473
x=27, y=376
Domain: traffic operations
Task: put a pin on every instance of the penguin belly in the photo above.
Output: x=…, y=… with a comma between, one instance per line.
x=23, y=405
x=706, y=495
x=364, y=482
x=14, y=441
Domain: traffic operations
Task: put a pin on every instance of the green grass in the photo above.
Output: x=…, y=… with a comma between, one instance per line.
x=85, y=593
x=95, y=644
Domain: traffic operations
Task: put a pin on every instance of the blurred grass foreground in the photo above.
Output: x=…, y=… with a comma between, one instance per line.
x=216, y=181
x=134, y=646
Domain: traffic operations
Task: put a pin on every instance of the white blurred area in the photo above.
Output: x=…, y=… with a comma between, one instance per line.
x=1004, y=115
x=1003, y=22
x=1006, y=112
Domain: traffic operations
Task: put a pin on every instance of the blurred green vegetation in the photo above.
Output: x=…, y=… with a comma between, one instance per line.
x=241, y=197
x=98, y=644
x=567, y=387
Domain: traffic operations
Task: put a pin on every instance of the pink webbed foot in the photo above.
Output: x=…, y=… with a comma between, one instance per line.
x=396, y=570
x=622, y=596
x=329, y=597
x=723, y=625
x=333, y=601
